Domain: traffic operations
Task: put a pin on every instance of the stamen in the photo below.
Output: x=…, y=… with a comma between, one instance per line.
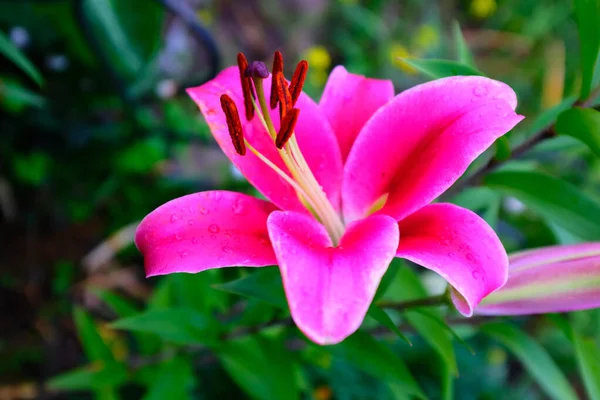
x=298, y=80
x=257, y=69
x=277, y=67
x=246, y=86
x=287, y=127
x=283, y=94
x=233, y=124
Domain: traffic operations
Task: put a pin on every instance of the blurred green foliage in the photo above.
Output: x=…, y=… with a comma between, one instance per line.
x=97, y=131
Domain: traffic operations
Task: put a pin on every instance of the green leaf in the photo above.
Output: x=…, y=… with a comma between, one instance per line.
x=582, y=124
x=174, y=380
x=463, y=52
x=440, y=68
x=119, y=305
x=407, y=286
x=554, y=199
x=262, y=366
x=264, y=284
x=588, y=362
x=502, y=149
x=542, y=121
x=375, y=358
x=194, y=291
x=176, y=325
x=15, y=98
x=379, y=315
x=445, y=327
x=588, y=23
x=534, y=358
x=14, y=54
x=481, y=200
x=94, y=346
x=90, y=377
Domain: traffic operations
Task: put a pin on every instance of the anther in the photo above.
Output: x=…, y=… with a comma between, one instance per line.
x=298, y=80
x=277, y=67
x=233, y=124
x=246, y=86
x=287, y=127
x=283, y=94
x=257, y=69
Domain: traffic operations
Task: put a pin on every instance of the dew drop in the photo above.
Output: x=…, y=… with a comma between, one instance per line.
x=194, y=240
x=470, y=257
x=190, y=222
x=178, y=236
x=228, y=235
x=203, y=211
x=213, y=228
x=213, y=237
x=174, y=217
x=480, y=91
x=476, y=274
x=226, y=249
x=183, y=254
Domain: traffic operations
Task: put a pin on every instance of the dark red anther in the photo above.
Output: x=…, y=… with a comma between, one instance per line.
x=257, y=69
x=233, y=124
x=277, y=67
x=246, y=86
x=284, y=96
x=287, y=127
x=298, y=80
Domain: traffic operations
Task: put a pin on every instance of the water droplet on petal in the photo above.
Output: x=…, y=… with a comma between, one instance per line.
x=239, y=207
x=228, y=235
x=476, y=274
x=213, y=237
x=203, y=210
x=226, y=249
x=174, y=217
x=480, y=91
x=190, y=222
x=194, y=240
x=213, y=228
x=178, y=236
x=470, y=257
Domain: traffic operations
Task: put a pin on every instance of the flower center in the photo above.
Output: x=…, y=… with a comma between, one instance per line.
x=300, y=176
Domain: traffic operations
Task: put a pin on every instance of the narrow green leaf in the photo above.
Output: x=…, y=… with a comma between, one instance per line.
x=440, y=68
x=90, y=377
x=379, y=315
x=444, y=326
x=264, y=284
x=542, y=121
x=94, y=346
x=534, y=358
x=261, y=366
x=174, y=380
x=588, y=362
x=177, y=325
x=375, y=358
x=582, y=124
x=502, y=148
x=15, y=55
x=588, y=23
x=15, y=98
x=119, y=305
x=481, y=200
x=463, y=52
x=408, y=286
x=194, y=291
x=554, y=199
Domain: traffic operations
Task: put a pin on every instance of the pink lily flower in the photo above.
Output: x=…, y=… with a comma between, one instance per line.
x=348, y=183
x=546, y=280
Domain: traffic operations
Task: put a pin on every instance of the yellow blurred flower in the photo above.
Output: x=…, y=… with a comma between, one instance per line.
x=318, y=58
x=497, y=356
x=205, y=15
x=397, y=52
x=427, y=37
x=483, y=8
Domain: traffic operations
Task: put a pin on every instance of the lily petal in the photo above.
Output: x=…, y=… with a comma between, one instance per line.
x=349, y=100
x=329, y=289
x=551, y=279
x=314, y=134
x=460, y=246
x=417, y=145
x=206, y=230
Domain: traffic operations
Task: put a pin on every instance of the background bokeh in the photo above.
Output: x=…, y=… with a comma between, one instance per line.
x=110, y=134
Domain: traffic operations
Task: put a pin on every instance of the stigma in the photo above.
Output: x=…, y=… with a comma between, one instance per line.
x=283, y=95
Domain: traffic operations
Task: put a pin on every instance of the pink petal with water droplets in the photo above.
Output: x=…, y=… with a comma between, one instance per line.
x=206, y=230
x=330, y=289
x=545, y=280
x=418, y=144
x=460, y=246
x=349, y=100
x=314, y=134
